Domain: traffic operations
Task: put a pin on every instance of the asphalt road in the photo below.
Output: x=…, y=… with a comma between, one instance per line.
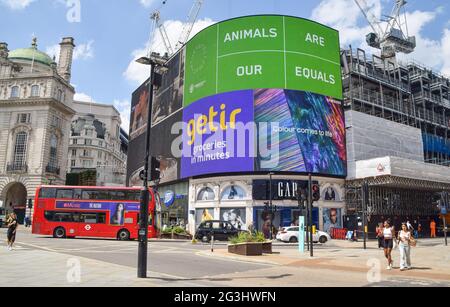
x=173, y=259
x=180, y=264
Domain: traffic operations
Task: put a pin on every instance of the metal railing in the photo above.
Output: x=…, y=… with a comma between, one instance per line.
x=52, y=169
x=17, y=168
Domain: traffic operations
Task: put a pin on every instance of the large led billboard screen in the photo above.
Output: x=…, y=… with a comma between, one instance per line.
x=258, y=94
x=262, y=93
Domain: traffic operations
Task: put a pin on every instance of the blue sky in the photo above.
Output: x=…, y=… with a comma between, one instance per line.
x=111, y=33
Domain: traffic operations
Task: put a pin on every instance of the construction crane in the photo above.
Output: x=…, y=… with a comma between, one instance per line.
x=185, y=33
x=390, y=35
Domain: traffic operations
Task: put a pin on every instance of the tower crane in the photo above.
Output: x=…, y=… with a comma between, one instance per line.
x=390, y=35
x=185, y=33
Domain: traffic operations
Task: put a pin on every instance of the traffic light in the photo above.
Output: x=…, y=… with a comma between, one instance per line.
x=155, y=173
x=30, y=203
x=315, y=192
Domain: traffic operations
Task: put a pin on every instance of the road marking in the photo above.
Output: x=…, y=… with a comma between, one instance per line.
x=38, y=247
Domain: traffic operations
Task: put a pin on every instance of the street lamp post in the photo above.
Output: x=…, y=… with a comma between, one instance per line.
x=271, y=206
x=154, y=61
x=310, y=209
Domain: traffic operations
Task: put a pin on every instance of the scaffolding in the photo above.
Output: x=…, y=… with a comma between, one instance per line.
x=410, y=94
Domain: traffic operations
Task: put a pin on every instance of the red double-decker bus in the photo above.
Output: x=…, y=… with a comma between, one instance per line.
x=104, y=212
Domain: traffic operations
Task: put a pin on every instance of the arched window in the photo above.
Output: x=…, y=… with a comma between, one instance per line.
x=233, y=192
x=20, y=150
x=35, y=89
x=53, y=162
x=15, y=92
x=206, y=194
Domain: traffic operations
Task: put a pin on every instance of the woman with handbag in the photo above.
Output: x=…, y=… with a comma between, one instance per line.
x=405, y=241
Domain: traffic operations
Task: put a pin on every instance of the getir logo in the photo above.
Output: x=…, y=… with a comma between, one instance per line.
x=212, y=122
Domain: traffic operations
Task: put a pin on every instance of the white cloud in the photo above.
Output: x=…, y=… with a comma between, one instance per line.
x=124, y=107
x=446, y=52
x=17, y=4
x=83, y=97
x=82, y=51
x=138, y=73
x=345, y=16
x=147, y=3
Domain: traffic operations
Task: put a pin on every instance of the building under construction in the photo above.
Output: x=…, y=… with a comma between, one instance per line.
x=398, y=137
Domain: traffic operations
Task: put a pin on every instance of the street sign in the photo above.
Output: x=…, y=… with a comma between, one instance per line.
x=444, y=210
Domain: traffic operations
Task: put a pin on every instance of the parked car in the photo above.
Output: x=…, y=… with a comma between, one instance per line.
x=290, y=234
x=221, y=230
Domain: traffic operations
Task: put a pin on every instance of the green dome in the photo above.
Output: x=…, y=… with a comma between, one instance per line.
x=29, y=54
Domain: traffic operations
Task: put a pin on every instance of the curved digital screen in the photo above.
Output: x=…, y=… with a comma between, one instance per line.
x=262, y=93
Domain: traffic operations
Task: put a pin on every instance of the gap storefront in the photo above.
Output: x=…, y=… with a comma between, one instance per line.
x=241, y=201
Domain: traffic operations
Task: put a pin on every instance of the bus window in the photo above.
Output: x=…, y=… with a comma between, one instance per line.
x=53, y=216
x=89, y=218
x=134, y=195
x=101, y=218
x=47, y=193
x=119, y=195
x=89, y=194
x=77, y=194
x=64, y=194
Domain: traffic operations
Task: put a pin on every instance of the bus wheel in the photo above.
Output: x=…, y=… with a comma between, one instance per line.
x=123, y=235
x=59, y=233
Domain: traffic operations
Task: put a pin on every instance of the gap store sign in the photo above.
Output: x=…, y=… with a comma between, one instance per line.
x=263, y=93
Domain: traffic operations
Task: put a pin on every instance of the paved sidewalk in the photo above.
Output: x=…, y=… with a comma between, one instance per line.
x=431, y=259
x=26, y=267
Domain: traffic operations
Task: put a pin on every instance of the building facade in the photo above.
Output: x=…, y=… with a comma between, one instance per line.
x=36, y=108
x=98, y=143
x=398, y=141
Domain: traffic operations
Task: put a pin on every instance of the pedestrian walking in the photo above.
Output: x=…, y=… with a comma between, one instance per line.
x=419, y=231
x=433, y=229
x=12, y=228
x=405, y=241
x=388, y=243
x=379, y=232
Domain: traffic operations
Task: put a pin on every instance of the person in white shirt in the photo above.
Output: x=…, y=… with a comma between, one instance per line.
x=404, y=241
x=388, y=233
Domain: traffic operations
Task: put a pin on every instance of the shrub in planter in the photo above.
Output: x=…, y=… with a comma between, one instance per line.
x=248, y=244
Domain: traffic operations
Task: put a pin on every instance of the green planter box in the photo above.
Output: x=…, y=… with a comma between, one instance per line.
x=246, y=249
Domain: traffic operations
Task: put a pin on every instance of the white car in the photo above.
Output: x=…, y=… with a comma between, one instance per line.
x=290, y=234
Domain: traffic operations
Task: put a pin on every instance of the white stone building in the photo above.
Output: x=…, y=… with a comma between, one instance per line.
x=36, y=109
x=98, y=143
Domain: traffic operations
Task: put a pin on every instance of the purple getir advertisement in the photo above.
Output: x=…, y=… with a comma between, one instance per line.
x=218, y=135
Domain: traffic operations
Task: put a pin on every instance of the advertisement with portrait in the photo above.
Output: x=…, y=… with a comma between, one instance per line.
x=203, y=215
x=234, y=192
x=206, y=194
x=169, y=97
x=264, y=220
x=331, y=192
x=332, y=218
x=139, y=110
x=236, y=216
x=162, y=140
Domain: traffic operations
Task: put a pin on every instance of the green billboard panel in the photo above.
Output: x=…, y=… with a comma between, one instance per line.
x=200, y=76
x=263, y=52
